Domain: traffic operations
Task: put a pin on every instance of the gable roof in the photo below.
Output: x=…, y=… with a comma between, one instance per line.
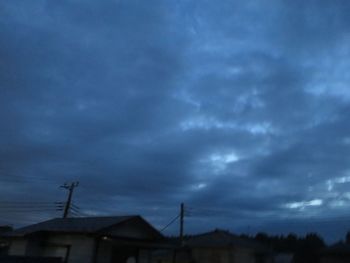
x=221, y=238
x=86, y=225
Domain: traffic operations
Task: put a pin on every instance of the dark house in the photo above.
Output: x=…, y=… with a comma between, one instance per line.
x=4, y=244
x=217, y=247
x=88, y=240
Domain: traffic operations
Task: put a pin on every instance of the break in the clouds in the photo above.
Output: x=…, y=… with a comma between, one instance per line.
x=239, y=109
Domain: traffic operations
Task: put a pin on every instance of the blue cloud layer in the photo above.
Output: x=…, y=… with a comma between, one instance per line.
x=240, y=106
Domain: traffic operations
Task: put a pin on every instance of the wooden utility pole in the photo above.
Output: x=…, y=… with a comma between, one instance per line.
x=70, y=189
x=182, y=215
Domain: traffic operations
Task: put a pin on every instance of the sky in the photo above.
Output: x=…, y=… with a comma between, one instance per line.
x=239, y=109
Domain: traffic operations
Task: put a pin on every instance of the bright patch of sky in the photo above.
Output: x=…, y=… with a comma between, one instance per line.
x=331, y=183
x=199, y=186
x=208, y=123
x=220, y=161
x=304, y=204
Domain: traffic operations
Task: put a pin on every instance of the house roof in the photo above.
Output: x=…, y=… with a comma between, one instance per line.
x=221, y=238
x=5, y=229
x=88, y=225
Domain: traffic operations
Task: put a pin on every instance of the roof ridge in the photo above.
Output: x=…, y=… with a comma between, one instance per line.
x=75, y=224
x=216, y=230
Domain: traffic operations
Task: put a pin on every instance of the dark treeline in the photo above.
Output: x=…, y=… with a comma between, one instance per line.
x=305, y=249
x=291, y=243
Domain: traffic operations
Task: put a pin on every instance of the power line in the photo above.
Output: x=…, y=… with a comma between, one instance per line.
x=72, y=209
x=27, y=209
x=75, y=206
x=74, y=213
x=26, y=203
x=170, y=223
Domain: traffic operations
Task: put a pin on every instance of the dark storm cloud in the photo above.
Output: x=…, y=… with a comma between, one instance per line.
x=239, y=107
x=81, y=90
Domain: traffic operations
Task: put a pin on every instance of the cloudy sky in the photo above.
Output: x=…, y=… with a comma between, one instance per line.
x=239, y=109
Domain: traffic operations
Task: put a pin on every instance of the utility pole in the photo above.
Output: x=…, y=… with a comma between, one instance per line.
x=182, y=215
x=70, y=189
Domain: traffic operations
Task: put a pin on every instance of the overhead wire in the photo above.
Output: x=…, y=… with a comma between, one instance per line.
x=170, y=223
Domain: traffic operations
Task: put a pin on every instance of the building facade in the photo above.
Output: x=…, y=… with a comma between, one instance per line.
x=88, y=240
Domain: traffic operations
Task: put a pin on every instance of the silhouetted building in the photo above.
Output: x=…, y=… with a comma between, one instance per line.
x=4, y=244
x=88, y=240
x=216, y=247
